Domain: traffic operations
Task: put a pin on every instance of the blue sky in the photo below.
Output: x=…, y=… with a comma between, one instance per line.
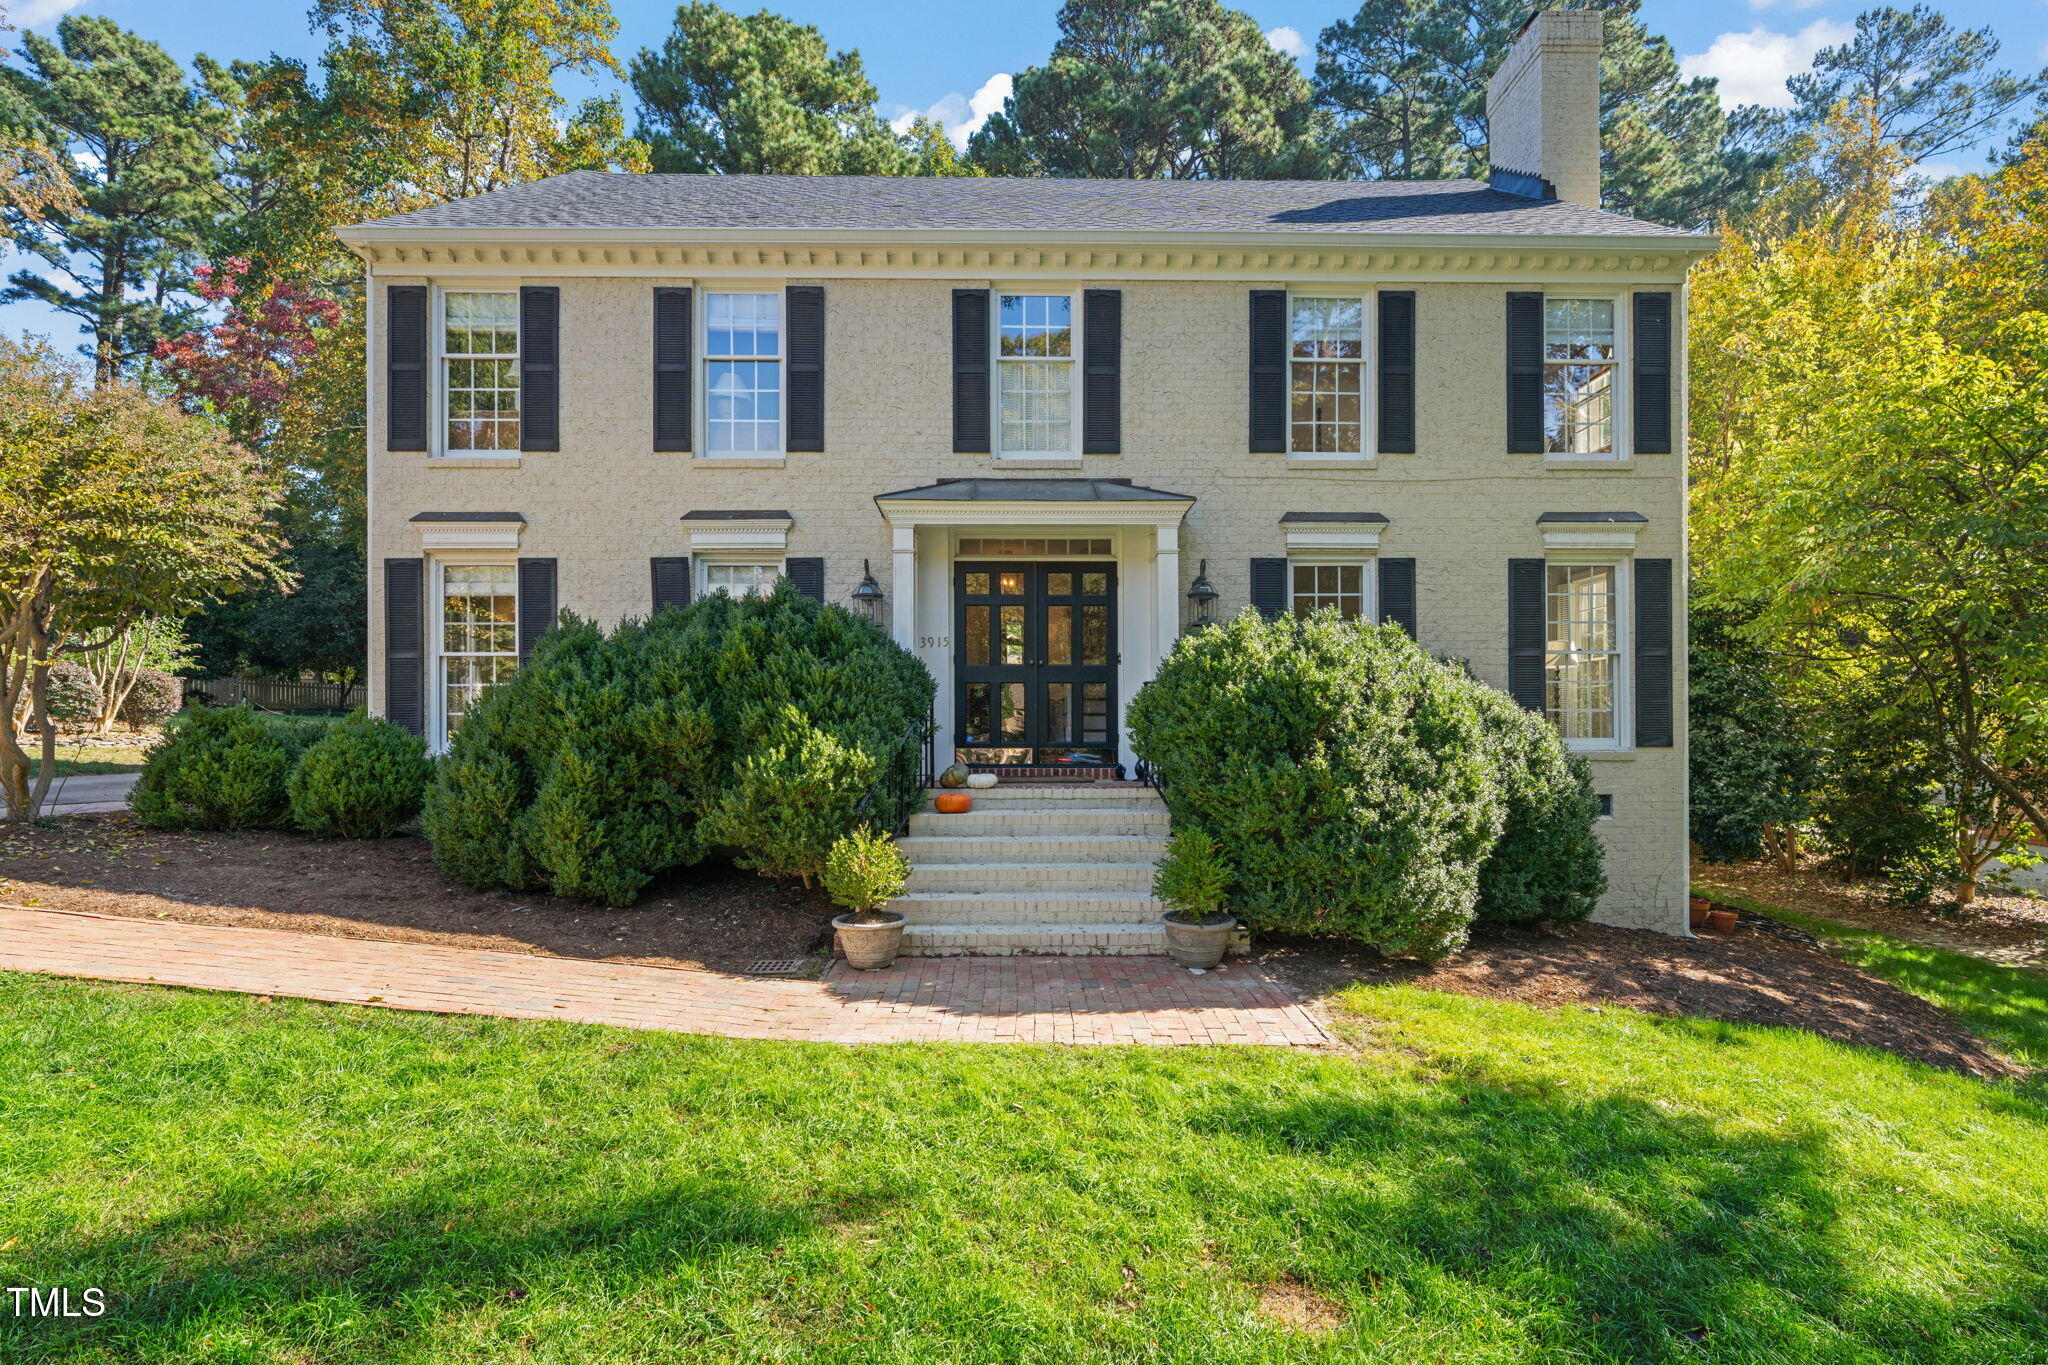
x=953, y=58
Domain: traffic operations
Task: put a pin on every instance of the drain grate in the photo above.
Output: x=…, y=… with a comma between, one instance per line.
x=776, y=966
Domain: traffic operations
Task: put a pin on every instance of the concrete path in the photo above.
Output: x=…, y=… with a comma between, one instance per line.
x=90, y=793
x=997, y=1000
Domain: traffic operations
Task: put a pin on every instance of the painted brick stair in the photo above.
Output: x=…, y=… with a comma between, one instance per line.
x=1063, y=868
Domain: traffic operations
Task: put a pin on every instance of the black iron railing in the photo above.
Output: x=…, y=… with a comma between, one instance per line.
x=906, y=771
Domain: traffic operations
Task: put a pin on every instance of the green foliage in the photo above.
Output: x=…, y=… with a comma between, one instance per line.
x=155, y=698
x=1346, y=776
x=1156, y=90
x=1404, y=84
x=1548, y=862
x=316, y=627
x=1878, y=806
x=792, y=795
x=865, y=871
x=1192, y=877
x=759, y=95
x=219, y=769
x=71, y=694
x=1751, y=763
x=362, y=780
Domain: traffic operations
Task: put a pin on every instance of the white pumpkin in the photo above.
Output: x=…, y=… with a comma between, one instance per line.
x=981, y=781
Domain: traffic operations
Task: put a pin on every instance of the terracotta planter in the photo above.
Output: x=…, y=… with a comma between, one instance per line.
x=1698, y=906
x=1197, y=945
x=869, y=947
x=953, y=803
x=1721, y=921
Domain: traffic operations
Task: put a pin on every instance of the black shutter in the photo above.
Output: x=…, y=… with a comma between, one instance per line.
x=970, y=372
x=672, y=379
x=1653, y=591
x=1526, y=626
x=536, y=603
x=405, y=679
x=1269, y=587
x=1397, y=372
x=1102, y=379
x=1269, y=371
x=671, y=576
x=807, y=576
x=1397, y=594
x=1525, y=374
x=806, y=305
x=540, y=379
x=405, y=373
x=1651, y=337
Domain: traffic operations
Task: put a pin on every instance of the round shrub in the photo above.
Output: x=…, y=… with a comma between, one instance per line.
x=71, y=695
x=769, y=727
x=220, y=768
x=864, y=872
x=1548, y=862
x=362, y=781
x=1345, y=775
x=154, y=699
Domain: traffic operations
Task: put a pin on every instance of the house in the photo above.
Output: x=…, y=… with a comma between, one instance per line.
x=1037, y=421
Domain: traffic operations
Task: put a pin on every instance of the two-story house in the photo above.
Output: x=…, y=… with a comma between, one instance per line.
x=1040, y=422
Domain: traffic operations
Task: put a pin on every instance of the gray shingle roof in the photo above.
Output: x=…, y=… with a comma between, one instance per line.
x=855, y=203
x=1034, y=490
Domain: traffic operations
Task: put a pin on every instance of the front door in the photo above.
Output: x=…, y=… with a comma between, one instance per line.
x=1036, y=662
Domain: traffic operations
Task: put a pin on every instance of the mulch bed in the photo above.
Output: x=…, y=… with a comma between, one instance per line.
x=1756, y=975
x=2007, y=928
x=713, y=916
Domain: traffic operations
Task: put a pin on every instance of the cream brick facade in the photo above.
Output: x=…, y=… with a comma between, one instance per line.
x=1460, y=505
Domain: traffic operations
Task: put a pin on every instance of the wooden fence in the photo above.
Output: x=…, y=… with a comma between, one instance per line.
x=274, y=694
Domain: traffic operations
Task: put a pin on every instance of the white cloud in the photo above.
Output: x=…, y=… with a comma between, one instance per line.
x=960, y=115
x=35, y=13
x=1786, y=4
x=1289, y=41
x=1752, y=67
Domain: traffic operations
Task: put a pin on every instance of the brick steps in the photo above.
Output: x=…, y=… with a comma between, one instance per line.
x=1037, y=869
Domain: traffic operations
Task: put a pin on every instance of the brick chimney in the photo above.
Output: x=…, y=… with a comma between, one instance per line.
x=1543, y=109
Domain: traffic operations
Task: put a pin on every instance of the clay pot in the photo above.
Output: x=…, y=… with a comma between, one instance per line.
x=1697, y=907
x=981, y=782
x=953, y=803
x=1721, y=921
x=955, y=776
x=869, y=947
x=1197, y=945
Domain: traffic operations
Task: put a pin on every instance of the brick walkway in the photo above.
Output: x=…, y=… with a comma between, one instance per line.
x=995, y=1000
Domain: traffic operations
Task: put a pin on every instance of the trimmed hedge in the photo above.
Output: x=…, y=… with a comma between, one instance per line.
x=762, y=726
x=221, y=768
x=1356, y=786
x=363, y=780
x=71, y=695
x=155, y=698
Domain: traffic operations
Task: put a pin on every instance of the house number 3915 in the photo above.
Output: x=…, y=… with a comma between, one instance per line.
x=934, y=642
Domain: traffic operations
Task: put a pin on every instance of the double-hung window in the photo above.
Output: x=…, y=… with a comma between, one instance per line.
x=740, y=579
x=743, y=374
x=478, y=642
x=1326, y=379
x=480, y=372
x=1035, y=358
x=1338, y=586
x=1580, y=367
x=1582, y=649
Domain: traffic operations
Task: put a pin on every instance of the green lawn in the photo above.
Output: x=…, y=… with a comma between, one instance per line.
x=284, y=1181
x=2006, y=1006
x=74, y=761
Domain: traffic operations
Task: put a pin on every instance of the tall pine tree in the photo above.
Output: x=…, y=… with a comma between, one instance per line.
x=1156, y=89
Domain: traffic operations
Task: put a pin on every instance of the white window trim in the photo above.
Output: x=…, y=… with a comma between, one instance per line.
x=1368, y=380
x=437, y=688
x=1077, y=362
x=1623, y=454
x=1624, y=645
x=701, y=562
x=700, y=378
x=1368, y=579
x=437, y=348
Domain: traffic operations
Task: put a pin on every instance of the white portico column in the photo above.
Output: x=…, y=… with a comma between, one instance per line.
x=1166, y=582
x=903, y=585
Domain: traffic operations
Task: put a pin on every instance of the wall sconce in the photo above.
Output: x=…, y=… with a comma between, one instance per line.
x=868, y=597
x=1202, y=597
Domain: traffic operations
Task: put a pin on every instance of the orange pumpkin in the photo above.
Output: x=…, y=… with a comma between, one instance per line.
x=953, y=803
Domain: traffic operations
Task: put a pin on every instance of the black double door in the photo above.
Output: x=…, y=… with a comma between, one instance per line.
x=1035, y=660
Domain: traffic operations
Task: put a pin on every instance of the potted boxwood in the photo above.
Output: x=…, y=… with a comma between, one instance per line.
x=863, y=872
x=1193, y=880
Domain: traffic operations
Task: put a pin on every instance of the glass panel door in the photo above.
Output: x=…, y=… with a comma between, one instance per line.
x=1036, y=662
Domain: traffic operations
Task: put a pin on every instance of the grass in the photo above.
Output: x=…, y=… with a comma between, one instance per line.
x=2006, y=1006
x=255, y=1180
x=106, y=760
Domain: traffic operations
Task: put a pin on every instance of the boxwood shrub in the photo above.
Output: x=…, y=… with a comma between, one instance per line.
x=219, y=768
x=363, y=780
x=762, y=726
x=1548, y=862
x=1346, y=776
